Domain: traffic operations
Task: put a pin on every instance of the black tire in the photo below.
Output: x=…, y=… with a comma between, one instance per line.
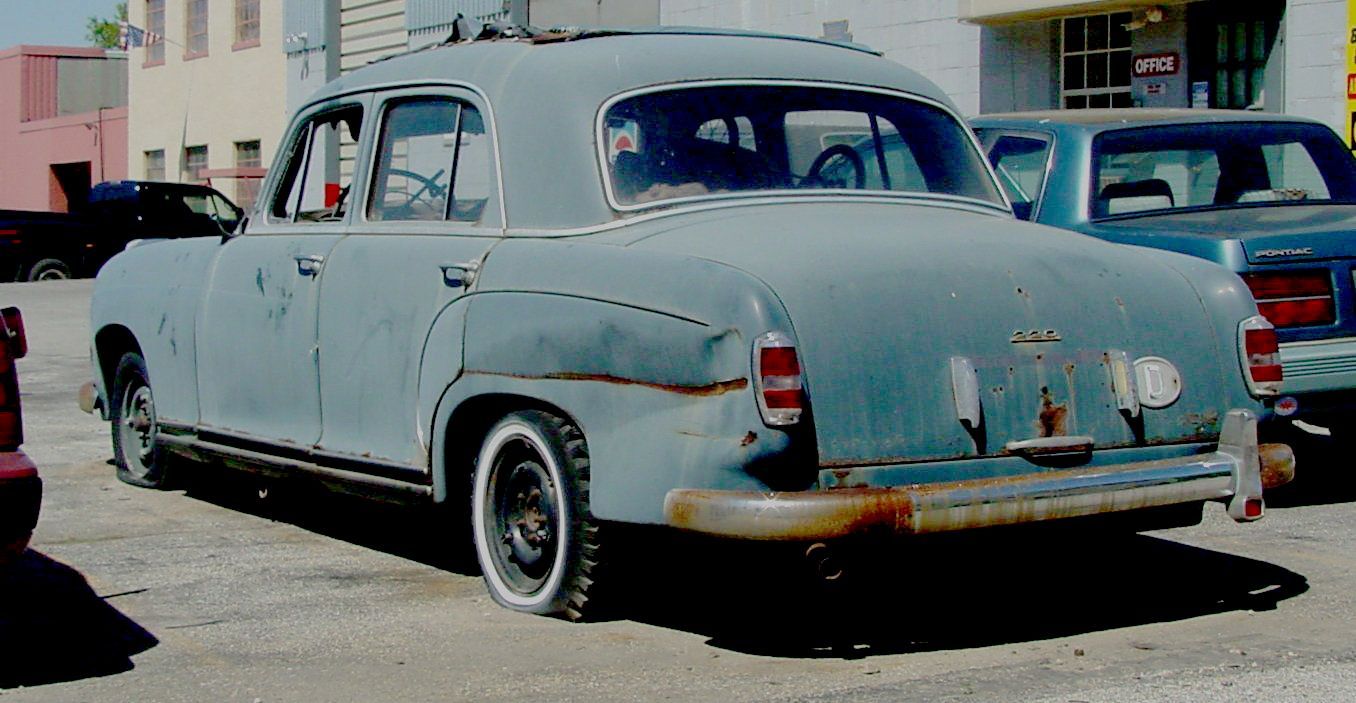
x=49, y=270
x=532, y=474
x=140, y=460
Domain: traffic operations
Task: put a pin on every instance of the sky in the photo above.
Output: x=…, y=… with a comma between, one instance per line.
x=57, y=22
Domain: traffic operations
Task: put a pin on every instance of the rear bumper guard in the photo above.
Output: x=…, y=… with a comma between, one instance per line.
x=1235, y=473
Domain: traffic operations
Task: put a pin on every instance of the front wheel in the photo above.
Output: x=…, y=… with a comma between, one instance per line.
x=49, y=270
x=140, y=460
x=535, y=538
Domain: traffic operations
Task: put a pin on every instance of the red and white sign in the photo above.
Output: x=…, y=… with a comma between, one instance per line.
x=1156, y=89
x=1151, y=65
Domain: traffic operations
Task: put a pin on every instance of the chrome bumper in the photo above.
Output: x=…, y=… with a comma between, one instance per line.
x=1233, y=473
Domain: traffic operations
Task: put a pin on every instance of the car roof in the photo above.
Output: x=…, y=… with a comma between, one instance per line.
x=545, y=92
x=594, y=63
x=1104, y=119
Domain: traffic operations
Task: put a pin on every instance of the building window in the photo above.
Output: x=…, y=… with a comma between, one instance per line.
x=155, y=31
x=1096, y=61
x=1241, y=48
x=247, y=155
x=155, y=165
x=195, y=160
x=195, y=29
x=246, y=23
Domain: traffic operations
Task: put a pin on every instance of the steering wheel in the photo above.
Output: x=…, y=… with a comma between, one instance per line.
x=429, y=191
x=853, y=158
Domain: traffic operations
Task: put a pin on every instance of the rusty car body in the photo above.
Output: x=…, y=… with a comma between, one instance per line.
x=1271, y=197
x=595, y=277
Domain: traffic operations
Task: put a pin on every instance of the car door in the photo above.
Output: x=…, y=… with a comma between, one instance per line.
x=258, y=374
x=428, y=216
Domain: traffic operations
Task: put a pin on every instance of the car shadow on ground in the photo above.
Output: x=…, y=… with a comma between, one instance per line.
x=54, y=627
x=963, y=591
x=951, y=592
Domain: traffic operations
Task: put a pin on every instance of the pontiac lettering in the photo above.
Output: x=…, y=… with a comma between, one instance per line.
x=1272, y=253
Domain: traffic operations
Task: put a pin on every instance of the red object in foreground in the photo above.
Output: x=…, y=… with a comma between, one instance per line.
x=20, y=487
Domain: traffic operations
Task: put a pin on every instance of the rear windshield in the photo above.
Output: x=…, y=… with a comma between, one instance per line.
x=1212, y=166
x=711, y=141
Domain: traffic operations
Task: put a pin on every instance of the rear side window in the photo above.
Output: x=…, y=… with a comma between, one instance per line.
x=1020, y=163
x=433, y=163
x=1219, y=165
x=319, y=174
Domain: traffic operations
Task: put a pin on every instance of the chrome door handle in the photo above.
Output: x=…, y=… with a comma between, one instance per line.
x=309, y=264
x=460, y=275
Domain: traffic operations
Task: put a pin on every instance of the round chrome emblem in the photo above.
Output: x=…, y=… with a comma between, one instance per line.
x=1157, y=381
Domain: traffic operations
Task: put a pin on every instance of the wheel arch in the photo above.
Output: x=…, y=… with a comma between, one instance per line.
x=111, y=342
x=461, y=430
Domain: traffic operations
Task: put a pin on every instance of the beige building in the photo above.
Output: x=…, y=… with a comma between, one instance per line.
x=208, y=98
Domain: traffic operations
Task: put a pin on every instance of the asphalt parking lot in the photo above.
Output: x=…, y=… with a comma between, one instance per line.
x=209, y=593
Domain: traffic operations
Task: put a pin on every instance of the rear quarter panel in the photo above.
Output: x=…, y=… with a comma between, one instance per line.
x=649, y=353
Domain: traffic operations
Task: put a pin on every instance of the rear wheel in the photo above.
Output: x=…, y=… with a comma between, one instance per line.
x=140, y=460
x=49, y=270
x=534, y=536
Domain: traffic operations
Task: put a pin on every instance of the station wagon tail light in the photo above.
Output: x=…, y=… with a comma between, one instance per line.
x=1261, y=356
x=777, y=379
x=1294, y=298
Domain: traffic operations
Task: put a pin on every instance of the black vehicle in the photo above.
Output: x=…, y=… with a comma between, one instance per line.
x=37, y=246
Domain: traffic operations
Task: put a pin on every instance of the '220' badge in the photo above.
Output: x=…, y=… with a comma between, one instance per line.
x=1023, y=336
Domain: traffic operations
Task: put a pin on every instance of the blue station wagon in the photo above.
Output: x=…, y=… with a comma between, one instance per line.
x=1271, y=197
x=582, y=279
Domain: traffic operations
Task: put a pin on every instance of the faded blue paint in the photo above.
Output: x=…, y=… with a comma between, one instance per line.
x=1229, y=237
x=641, y=329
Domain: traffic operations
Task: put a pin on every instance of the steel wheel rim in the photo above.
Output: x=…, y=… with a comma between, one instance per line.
x=52, y=275
x=138, y=429
x=521, y=518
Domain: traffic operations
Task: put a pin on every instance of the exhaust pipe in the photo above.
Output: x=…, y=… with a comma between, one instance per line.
x=824, y=562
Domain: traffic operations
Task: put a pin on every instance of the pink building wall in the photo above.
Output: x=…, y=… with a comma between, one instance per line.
x=33, y=138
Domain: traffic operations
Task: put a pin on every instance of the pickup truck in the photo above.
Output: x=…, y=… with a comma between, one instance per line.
x=39, y=246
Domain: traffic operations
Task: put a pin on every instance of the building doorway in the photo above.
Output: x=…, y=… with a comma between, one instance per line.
x=70, y=185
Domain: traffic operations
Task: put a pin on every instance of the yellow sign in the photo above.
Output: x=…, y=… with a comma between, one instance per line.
x=1351, y=74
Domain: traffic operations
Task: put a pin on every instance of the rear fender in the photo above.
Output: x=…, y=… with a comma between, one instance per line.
x=662, y=401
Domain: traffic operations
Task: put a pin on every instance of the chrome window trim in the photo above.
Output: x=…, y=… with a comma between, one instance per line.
x=604, y=172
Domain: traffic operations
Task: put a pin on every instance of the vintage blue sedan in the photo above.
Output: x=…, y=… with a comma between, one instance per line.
x=1270, y=197
x=580, y=279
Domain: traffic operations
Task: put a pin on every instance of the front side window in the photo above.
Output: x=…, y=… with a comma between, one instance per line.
x=733, y=140
x=318, y=175
x=433, y=163
x=1219, y=166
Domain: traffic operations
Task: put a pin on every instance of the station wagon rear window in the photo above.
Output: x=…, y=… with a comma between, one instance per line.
x=1222, y=165
x=705, y=141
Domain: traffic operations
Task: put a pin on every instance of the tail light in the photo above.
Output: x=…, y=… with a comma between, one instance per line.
x=777, y=379
x=13, y=345
x=1294, y=298
x=1261, y=356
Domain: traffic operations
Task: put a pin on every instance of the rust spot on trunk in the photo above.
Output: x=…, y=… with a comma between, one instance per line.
x=749, y=438
x=708, y=389
x=1053, y=416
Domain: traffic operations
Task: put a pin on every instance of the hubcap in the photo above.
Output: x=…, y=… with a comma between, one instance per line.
x=522, y=518
x=138, y=429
